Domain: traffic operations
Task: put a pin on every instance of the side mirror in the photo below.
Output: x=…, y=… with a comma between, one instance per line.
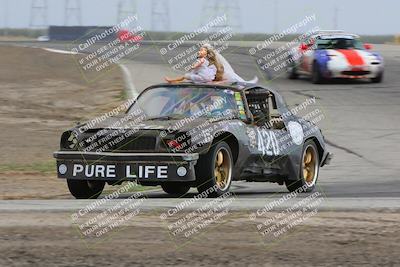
x=368, y=46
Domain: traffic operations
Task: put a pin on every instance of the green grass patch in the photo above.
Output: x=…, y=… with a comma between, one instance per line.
x=40, y=167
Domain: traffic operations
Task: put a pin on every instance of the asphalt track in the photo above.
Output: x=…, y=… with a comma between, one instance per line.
x=360, y=124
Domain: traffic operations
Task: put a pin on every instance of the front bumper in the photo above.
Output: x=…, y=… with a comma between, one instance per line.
x=108, y=166
x=327, y=159
x=350, y=72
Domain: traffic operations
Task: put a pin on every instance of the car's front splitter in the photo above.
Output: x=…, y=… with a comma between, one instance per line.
x=108, y=166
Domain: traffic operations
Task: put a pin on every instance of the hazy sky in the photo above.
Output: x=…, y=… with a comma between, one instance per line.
x=358, y=16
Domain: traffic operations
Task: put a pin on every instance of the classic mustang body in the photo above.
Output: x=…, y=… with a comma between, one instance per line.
x=203, y=135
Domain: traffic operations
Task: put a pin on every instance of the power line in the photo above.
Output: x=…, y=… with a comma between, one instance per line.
x=276, y=16
x=335, y=18
x=160, y=15
x=126, y=8
x=5, y=32
x=72, y=12
x=215, y=8
x=38, y=17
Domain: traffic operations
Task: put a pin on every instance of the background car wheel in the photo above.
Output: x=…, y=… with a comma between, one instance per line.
x=316, y=76
x=378, y=78
x=309, y=169
x=215, y=170
x=175, y=188
x=82, y=189
x=291, y=71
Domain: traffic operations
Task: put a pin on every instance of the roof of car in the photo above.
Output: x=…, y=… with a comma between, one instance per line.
x=334, y=34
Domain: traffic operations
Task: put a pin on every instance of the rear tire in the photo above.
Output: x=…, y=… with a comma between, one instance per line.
x=214, y=170
x=292, y=72
x=175, y=188
x=83, y=189
x=309, y=169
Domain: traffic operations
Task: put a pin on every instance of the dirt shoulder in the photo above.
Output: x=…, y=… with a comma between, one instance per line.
x=327, y=239
x=43, y=94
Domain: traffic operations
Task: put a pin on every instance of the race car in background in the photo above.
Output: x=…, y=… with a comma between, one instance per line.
x=335, y=54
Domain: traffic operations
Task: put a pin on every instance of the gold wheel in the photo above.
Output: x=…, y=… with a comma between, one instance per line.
x=310, y=165
x=223, y=168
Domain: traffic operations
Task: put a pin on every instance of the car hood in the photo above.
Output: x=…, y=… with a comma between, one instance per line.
x=120, y=122
x=353, y=57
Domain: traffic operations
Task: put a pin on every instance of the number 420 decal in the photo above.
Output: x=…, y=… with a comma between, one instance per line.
x=267, y=143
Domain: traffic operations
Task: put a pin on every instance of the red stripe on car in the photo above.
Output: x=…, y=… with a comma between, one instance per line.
x=352, y=57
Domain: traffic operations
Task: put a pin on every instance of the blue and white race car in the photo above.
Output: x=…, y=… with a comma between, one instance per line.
x=335, y=54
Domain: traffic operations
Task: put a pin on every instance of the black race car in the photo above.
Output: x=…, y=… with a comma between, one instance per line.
x=194, y=135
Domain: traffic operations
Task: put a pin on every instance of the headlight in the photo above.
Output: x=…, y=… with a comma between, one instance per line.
x=69, y=141
x=180, y=141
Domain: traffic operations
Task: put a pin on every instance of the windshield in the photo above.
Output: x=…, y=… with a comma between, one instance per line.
x=339, y=43
x=180, y=102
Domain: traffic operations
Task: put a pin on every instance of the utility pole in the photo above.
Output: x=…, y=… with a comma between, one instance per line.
x=160, y=15
x=72, y=11
x=126, y=8
x=276, y=16
x=215, y=8
x=5, y=32
x=335, y=18
x=38, y=17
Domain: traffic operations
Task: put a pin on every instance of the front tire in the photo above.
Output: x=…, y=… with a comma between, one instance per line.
x=316, y=77
x=378, y=78
x=83, y=189
x=309, y=169
x=175, y=188
x=214, y=170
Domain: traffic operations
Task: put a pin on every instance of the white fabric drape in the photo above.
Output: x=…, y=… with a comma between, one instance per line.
x=229, y=74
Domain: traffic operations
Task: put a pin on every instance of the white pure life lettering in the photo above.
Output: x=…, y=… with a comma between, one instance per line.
x=109, y=171
x=95, y=170
x=160, y=172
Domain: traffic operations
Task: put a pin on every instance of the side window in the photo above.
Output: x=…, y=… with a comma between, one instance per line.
x=257, y=100
x=240, y=106
x=276, y=120
x=262, y=105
